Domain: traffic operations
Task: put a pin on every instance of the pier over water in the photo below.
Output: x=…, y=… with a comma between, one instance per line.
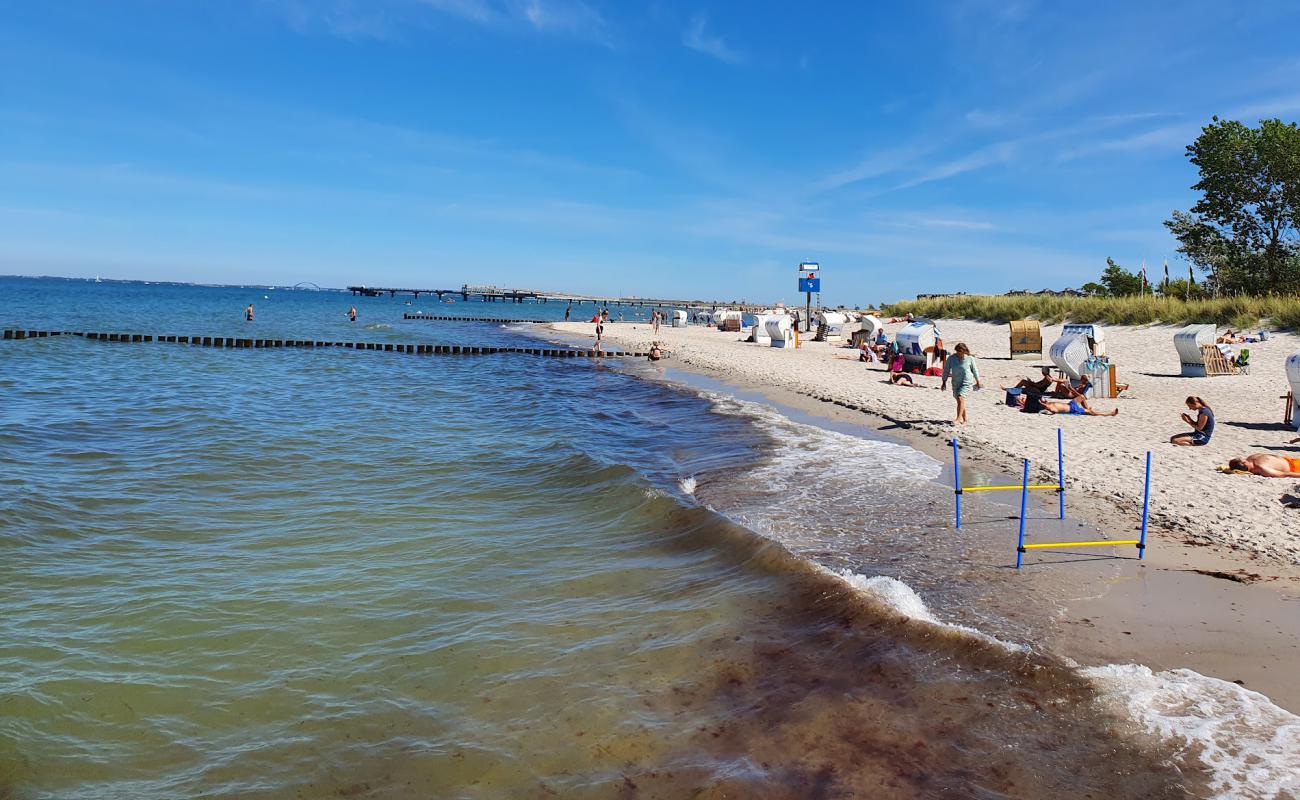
x=495, y=294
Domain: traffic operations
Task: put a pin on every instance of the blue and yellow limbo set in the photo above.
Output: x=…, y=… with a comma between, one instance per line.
x=1026, y=487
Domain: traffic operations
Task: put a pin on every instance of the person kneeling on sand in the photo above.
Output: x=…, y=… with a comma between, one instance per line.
x=1267, y=465
x=656, y=352
x=1202, y=425
x=1077, y=406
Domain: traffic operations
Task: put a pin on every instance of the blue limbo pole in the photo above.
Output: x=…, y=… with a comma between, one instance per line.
x=1060, y=472
x=956, y=481
x=1024, y=499
x=1146, y=502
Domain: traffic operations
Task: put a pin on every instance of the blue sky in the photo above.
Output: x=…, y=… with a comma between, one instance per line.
x=670, y=149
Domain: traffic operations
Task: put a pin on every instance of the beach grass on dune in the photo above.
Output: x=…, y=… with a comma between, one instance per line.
x=1239, y=312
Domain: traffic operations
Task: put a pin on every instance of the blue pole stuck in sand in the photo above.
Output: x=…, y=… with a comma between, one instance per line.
x=1146, y=503
x=956, y=481
x=1060, y=472
x=1024, y=499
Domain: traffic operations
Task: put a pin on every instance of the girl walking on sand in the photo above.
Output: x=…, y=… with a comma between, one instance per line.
x=961, y=369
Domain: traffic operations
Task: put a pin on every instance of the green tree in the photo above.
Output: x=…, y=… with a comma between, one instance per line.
x=1180, y=290
x=1119, y=282
x=1093, y=288
x=1245, y=230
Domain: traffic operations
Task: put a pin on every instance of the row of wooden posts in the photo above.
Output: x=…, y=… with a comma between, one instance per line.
x=387, y=347
x=436, y=318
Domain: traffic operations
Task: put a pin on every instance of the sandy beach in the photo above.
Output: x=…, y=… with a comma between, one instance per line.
x=1190, y=501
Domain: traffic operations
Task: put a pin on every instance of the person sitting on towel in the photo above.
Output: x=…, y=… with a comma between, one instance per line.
x=1267, y=465
x=1035, y=387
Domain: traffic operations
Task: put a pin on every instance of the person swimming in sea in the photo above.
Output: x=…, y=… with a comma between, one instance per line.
x=352, y=314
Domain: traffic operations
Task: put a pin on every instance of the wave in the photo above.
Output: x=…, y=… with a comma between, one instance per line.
x=1251, y=746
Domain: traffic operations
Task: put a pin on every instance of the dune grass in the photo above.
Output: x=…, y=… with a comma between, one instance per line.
x=1236, y=312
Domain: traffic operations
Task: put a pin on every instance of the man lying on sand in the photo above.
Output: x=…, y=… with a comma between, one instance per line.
x=1078, y=405
x=1268, y=465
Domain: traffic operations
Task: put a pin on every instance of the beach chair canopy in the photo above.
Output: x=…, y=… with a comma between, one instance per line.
x=1095, y=336
x=780, y=330
x=1293, y=378
x=1069, y=354
x=916, y=342
x=1026, y=340
x=1189, y=342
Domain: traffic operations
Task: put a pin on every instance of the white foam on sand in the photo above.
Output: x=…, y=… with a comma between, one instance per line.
x=687, y=485
x=838, y=456
x=1250, y=745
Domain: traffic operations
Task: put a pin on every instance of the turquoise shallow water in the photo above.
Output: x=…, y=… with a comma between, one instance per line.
x=353, y=574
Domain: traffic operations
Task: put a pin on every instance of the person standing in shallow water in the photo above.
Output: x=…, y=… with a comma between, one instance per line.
x=248, y=313
x=567, y=310
x=960, y=368
x=352, y=314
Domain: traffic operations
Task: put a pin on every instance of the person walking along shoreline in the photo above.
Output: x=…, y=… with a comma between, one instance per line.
x=961, y=369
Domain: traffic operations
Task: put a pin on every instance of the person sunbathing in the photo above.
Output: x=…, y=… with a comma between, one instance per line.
x=1267, y=465
x=1228, y=338
x=1077, y=406
x=1067, y=390
x=896, y=374
x=1035, y=387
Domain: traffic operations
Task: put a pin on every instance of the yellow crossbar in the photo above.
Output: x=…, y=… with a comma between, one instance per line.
x=1017, y=487
x=1046, y=545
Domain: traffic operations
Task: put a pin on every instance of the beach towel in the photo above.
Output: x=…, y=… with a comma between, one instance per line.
x=1227, y=470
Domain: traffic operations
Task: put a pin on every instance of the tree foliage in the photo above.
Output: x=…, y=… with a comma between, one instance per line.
x=1245, y=230
x=1119, y=282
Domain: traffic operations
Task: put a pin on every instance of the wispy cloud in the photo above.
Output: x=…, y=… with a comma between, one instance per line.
x=389, y=19
x=571, y=17
x=875, y=165
x=987, y=156
x=697, y=38
x=1173, y=137
x=956, y=224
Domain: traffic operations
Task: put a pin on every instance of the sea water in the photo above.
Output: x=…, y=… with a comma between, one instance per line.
x=337, y=573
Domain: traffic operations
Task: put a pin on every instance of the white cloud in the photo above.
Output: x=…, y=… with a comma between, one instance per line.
x=387, y=19
x=572, y=17
x=697, y=38
x=996, y=153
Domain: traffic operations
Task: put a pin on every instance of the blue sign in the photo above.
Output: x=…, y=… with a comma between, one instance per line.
x=810, y=284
